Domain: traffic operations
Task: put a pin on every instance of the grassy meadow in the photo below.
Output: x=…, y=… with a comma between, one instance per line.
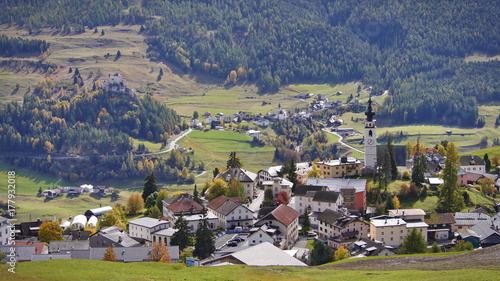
x=101, y=270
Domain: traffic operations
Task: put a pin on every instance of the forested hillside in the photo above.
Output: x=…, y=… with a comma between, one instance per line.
x=415, y=49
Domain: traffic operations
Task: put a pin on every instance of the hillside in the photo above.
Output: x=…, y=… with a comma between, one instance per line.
x=415, y=49
x=478, y=265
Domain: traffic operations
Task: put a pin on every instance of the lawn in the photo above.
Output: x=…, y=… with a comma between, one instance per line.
x=100, y=270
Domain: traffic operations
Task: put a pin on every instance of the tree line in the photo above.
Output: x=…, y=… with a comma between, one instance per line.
x=10, y=46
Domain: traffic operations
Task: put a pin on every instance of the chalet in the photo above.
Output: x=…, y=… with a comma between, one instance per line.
x=303, y=196
x=53, y=193
x=277, y=185
x=195, y=219
x=230, y=213
x=345, y=230
x=344, y=167
x=473, y=163
x=264, y=254
x=246, y=178
x=262, y=234
x=322, y=97
x=441, y=226
x=285, y=220
x=145, y=227
x=326, y=221
x=112, y=236
x=352, y=190
x=261, y=122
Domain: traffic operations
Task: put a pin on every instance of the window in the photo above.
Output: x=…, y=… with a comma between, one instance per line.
x=382, y=233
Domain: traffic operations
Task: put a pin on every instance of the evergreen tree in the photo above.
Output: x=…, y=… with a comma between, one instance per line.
x=102, y=32
x=306, y=225
x=236, y=189
x=290, y=170
x=215, y=172
x=205, y=244
x=392, y=158
x=435, y=247
x=414, y=243
x=320, y=254
x=182, y=237
x=268, y=198
x=450, y=197
x=487, y=162
x=151, y=200
x=40, y=191
x=419, y=166
x=149, y=186
x=196, y=196
x=234, y=161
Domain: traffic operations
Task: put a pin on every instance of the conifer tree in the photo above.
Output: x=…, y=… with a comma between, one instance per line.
x=414, y=243
x=149, y=186
x=182, y=237
x=450, y=197
x=205, y=244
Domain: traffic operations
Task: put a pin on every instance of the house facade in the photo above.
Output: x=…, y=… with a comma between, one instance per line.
x=286, y=220
x=343, y=167
x=473, y=163
x=353, y=190
x=392, y=230
x=145, y=227
x=230, y=213
x=246, y=178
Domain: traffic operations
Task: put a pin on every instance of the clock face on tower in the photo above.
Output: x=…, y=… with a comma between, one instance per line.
x=370, y=141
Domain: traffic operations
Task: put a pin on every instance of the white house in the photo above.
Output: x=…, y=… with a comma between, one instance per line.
x=246, y=178
x=261, y=234
x=286, y=220
x=230, y=213
x=473, y=163
x=254, y=134
x=145, y=227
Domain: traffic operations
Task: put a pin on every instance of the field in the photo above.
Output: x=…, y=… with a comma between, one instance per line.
x=213, y=148
x=477, y=265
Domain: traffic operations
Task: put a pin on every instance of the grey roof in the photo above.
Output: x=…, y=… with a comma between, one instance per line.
x=471, y=218
x=484, y=230
x=23, y=253
x=57, y=246
x=240, y=174
x=496, y=221
x=166, y=232
x=123, y=254
x=116, y=235
x=301, y=190
x=266, y=254
x=329, y=216
x=148, y=222
x=367, y=247
x=336, y=184
x=326, y=196
x=50, y=257
x=467, y=160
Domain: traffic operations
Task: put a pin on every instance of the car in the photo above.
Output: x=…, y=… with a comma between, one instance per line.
x=311, y=234
x=232, y=244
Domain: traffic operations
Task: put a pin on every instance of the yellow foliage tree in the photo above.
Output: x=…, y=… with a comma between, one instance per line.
x=242, y=73
x=341, y=254
x=315, y=172
x=219, y=187
x=135, y=203
x=395, y=202
x=232, y=77
x=109, y=255
x=50, y=231
x=91, y=229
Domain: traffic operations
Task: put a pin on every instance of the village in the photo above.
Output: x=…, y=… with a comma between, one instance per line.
x=275, y=218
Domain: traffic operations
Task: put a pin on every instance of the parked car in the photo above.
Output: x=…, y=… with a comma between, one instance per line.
x=232, y=244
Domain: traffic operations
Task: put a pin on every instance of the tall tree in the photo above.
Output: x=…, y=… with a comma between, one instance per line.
x=320, y=254
x=487, y=162
x=109, y=255
x=268, y=197
x=306, y=224
x=234, y=161
x=236, y=189
x=393, y=166
x=50, y=231
x=182, y=237
x=289, y=169
x=413, y=243
x=419, y=165
x=450, y=197
x=149, y=186
x=196, y=195
x=135, y=203
x=218, y=187
x=159, y=253
x=205, y=244
x=315, y=172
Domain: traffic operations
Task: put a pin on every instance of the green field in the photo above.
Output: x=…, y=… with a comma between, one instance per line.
x=492, y=152
x=100, y=270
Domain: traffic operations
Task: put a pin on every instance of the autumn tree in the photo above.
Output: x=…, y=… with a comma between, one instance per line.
x=236, y=189
x=50, y=231
x=450, y=197
x=218, y=187
x=395, y=202
x=149, y=186
x=232, y=77
x=341, y=254
x=182, y=237
x=159, y=253
x=461, y=246
x=114, y=217
x=487, y=185
x=162, y=195
x=413, y=243
x=205, y=244
x=315, y=172
x=109, y=255
x=282, y=198
x=154, y=212
x=135, y=203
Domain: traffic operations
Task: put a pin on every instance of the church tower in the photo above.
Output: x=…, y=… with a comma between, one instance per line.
x=370, y=138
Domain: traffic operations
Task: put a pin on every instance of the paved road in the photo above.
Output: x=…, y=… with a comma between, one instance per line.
x=255, y=205
x=343, y=143
x=300, y=246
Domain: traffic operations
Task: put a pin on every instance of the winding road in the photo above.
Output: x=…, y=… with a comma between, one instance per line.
x=343, y=143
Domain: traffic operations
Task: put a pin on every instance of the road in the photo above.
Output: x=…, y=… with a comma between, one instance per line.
x=343, y=143
x=255, y=205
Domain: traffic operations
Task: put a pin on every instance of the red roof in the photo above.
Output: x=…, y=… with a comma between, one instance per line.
x=38, y=246
x=185, y=205
x=219, y=201
x=285, y=214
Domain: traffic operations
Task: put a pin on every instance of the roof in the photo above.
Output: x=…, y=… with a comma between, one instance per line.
x=326, y=196
x=436, y=181
x=471, y=218
x=466, y=233
x=284, y=214
x=301, y=190
x=123, y=254
x=57, y=246
x=387, y=222
x=98, y=211
x=217, y=202
x=406, y=212
x=366, y=247
x=329, y=216
x=480, y=210
x=468, y=160
x=185, y=204
x=415, y=224
x=266, y=254
x=166, y=232
x=23, y=253
x=228, y=206
x=116, y=235
x=336, y=184
x=345, y=220
x=148, y=222
x=38, y=246
x=50, y=257
x=440, y=218
x=337, y=162
x=484, y=230
x=240, y=174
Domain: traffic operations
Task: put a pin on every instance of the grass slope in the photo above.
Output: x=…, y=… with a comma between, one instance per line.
x=55, y=270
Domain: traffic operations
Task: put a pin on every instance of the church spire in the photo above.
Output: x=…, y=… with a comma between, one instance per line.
x=369, y=111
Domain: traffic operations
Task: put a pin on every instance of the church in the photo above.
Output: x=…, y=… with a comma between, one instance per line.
x=370, y=138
